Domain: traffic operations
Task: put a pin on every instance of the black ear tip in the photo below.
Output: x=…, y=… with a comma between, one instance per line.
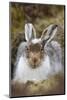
x=55, y=25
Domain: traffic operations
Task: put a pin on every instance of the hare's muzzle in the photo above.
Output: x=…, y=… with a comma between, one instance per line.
x=34, y=59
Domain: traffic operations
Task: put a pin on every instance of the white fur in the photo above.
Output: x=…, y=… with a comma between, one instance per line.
x=34, y=41
x=24, y=72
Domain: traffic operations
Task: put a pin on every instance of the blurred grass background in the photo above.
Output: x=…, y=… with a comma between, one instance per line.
x=40, y=16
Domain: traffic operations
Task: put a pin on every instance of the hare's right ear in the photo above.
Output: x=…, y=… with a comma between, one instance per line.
x=30, y=32
x=48, y=34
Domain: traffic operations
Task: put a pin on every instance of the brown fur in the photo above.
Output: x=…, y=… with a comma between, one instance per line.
x=35, y=54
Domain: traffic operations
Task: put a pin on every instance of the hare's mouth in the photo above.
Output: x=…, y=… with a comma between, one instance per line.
x=34, y=65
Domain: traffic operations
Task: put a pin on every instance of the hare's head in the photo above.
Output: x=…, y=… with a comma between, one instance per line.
x=35, y=50
x=35, y=54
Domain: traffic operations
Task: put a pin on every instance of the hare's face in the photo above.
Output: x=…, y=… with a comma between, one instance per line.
x=35, y=54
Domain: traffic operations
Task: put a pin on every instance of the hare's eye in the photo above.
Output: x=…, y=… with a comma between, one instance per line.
x=42, y=49
x=27, y=48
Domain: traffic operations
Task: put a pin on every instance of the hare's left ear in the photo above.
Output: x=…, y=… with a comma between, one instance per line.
x=48, y=34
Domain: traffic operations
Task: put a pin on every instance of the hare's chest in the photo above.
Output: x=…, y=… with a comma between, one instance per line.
x=24, y=72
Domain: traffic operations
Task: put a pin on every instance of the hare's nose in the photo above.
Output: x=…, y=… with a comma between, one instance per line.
x=34, y=60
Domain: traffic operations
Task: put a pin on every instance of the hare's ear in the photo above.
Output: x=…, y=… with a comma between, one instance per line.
x=48, y=34
x=29, y=32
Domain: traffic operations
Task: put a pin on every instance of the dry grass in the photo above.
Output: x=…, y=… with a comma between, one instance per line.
x=51, y=86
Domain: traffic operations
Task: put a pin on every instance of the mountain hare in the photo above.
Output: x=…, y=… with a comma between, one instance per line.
x=38, y=58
